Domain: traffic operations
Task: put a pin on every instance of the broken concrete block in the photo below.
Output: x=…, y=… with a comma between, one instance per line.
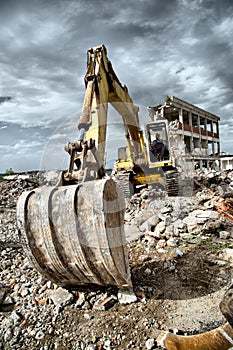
x=160, y=228
x=199, y=217
x=126, y=296
x=169, y=230
x=227, y=255
x=155, y=235
x=81, y=299
x=161, y=244
x=194, y=218
x=224, y=234
x=212, y=225
x=172, y=242
x=180, y=225
x=153, y=221
x=61, y=296
x=209, y=214
x=150, y=343
x=166, y=210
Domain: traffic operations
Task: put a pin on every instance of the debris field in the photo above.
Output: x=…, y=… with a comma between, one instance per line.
x=180, y=254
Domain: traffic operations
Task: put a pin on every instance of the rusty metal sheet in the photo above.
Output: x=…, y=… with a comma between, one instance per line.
x=74, y=234
x=225, y=208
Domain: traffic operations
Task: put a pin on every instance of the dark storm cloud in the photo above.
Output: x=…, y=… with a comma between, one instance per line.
x=176, y=47
x=37, y=69
x=5, y=99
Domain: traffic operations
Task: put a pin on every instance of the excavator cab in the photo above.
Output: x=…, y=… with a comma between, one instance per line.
x=158, y=142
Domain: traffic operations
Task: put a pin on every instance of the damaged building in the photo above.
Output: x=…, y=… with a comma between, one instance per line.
x=226, y=161
x=197, y=130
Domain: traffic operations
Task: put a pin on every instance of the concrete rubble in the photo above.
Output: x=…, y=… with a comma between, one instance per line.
x=184, y=217
x=33, y=310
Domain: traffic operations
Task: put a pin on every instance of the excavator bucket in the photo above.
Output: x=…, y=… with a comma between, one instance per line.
x=74, y=235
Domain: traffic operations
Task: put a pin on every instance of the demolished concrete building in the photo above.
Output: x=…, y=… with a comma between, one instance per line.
x=198, y=130
x=226, y=161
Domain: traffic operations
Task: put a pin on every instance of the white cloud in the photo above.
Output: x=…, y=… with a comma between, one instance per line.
x=57, y=136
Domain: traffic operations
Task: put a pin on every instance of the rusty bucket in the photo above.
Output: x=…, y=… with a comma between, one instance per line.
x=74, y=235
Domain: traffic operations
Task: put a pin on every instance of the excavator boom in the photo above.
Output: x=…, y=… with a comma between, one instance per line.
x=103, y=87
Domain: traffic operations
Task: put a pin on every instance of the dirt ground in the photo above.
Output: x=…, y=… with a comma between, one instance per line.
x=182, y=292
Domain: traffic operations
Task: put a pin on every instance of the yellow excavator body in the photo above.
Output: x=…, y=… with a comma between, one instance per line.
x=73, y=231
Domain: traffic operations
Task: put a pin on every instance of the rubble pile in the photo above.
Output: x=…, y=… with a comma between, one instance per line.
x=161, y=232
x=219, y=182
x=10, y=190
x=14, y=185
x=167, y=221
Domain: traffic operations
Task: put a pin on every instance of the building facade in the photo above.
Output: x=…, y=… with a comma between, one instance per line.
x=226, y=161
x=197, y=128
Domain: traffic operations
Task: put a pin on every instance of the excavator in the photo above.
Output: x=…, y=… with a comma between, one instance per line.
x=73, y=231
x=145, y=160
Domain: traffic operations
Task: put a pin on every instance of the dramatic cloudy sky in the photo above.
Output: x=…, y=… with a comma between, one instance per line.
x=157, y=48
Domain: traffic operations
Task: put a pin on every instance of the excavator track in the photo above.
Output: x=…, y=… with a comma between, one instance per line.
x=172, y=182
x=74, y=235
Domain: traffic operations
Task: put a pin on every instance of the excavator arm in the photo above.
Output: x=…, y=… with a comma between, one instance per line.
x=73, y=232
x=102, y=87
